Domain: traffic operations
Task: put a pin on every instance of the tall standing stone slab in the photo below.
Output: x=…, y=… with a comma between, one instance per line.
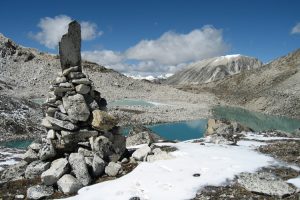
x=69, y=47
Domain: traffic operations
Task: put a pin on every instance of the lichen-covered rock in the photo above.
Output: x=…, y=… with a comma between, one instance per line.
x=80, y=169
x=68, y=184
x=36, y=168
x=102, y=146
x=56, y=124
x=76, y=107
x=265, y=183
x=141, y=135
x=103, y=121
x=39, y=191
x=112, y=169
x=58, y=168
x=47, y=152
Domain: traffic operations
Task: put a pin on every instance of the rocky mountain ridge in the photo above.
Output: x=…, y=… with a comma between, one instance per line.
x=273, y=88
x=213, y=69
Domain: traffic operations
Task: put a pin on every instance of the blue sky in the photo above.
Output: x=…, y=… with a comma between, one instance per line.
x=125, y=34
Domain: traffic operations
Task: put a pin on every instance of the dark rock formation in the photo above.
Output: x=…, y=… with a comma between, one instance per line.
x=69, y=47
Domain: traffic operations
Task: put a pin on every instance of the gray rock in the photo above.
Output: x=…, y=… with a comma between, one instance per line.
x=141, y=135
x=101, y=145
x=66, y=85
x=265, y=183
x=80, y=169
x=119, y=144
x=98, y=165
x=59, y=91
x=58, y=168
x=35, y=146
x=141, y=153
x=69, y=47
x=76, y=75
x=30, y=156
x=64, y=117
x=56, y=124
x=94, y=105
x=47, y=152
x=68, y=184
x=39, y=191
x=76, y=107
x=72, y=138
x=51, y=134
x=159, y=155
x=89, y=161
x=60, y=79
x=36, y=168
x=14, y=172
x=112, y=169
x=85, y=152
x=62, y=109
x=50, y=111
x=71, y=69
x=85, y=81
x=218, y=139
x=82, y=89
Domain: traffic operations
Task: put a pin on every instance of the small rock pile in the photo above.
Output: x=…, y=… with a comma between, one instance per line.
x=224, y=132
x=83, y=141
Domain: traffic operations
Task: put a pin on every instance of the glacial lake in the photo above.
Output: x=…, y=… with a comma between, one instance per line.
x=187, y=130
x=180, y=131
x=20, y=144
x=256, y=121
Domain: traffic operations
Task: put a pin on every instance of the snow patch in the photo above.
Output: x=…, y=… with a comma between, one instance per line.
x=173, y=179
x=295, y=181
x=255, y=136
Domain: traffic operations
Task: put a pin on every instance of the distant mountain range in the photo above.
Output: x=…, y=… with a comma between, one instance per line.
x=213, y=69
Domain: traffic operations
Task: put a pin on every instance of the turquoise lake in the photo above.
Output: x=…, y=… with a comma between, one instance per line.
x=180, y=131
x=20, y=144
x=196, y=128
x=256, y=121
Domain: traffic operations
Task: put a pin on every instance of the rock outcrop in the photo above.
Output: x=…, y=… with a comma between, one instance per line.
x=82, y=138
x=224, y=132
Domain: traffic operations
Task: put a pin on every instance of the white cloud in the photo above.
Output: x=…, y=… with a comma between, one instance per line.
x=173, y=48
x=53, y=28
x=166, y=54
x=296, y=29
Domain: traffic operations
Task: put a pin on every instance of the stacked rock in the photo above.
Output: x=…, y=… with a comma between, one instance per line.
x=83, y=141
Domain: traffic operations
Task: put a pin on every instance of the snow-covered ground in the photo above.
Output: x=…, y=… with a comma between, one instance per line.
x=173, y=179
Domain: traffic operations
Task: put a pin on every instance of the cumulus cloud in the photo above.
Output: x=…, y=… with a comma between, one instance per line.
x=173, y=48
x=53, y=28
x=166, y=54
x=296, y=29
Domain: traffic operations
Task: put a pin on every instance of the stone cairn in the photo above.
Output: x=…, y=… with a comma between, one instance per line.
x=83, y=141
